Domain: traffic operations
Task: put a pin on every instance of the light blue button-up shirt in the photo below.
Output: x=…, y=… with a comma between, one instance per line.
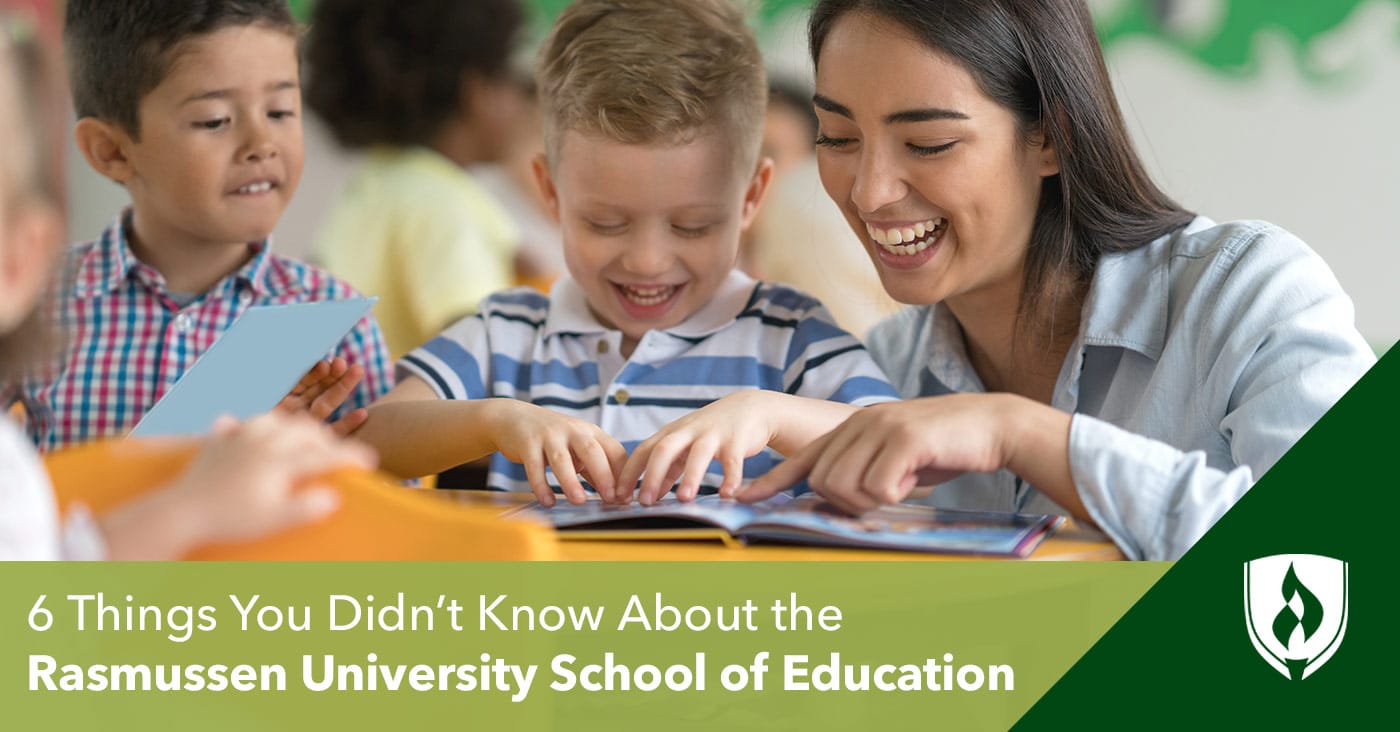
x=1201, y=359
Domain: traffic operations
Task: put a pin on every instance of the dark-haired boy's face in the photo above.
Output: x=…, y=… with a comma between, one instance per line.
x=935, y=178
x=220, y=148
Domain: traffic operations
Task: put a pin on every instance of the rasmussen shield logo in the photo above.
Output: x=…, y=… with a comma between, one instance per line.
x=1295, y=607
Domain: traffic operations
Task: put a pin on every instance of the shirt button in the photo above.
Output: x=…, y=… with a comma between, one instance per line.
x=602, y=346
x=182, y=322
x=622, y=396
x=245, y=297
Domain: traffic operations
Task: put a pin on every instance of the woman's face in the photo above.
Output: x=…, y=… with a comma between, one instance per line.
x=936, y=179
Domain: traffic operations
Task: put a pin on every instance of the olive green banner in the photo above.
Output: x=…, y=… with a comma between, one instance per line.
x=546, y=645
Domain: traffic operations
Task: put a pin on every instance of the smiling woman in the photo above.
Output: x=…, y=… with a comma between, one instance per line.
x=1079, y=343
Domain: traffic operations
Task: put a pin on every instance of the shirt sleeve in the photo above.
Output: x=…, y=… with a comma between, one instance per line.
x=826, y=362
x=1279, y=349
x=457, y=363
x=457, y=262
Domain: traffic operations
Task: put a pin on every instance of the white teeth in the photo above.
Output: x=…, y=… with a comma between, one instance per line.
x=647, y=296
x=908, y=240
x=262, y=187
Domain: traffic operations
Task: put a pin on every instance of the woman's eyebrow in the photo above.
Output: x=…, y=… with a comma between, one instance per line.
x=904, y=116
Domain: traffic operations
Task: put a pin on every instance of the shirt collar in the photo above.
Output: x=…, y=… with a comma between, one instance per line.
x=109, y=263
x=1128, y=300
x=1126, y=307
x=947, y=354
x=569, y=311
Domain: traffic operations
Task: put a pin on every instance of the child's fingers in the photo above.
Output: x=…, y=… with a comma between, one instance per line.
x=308, y=452
x=534, y=472
x=733, y=464
x=784, y=475
x=595, y=462
x=697, y=465
x=312, y=377
x=337, y=391
x=617, y=459
x=632, y=471
x=663, y=460
x=308, y=505
x=561, y=460
x=223, y=425
x=355, y=419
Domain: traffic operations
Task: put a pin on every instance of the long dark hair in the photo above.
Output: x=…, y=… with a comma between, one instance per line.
x=1041, y=60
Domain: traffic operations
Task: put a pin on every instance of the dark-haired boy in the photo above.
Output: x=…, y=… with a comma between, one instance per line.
x=195, y=109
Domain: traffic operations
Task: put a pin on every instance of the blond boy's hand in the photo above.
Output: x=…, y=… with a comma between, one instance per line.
x=538, y=438
x=733, y=428
x=322, y=390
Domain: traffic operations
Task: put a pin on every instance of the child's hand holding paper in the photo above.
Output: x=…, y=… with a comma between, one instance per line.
x=322, y=390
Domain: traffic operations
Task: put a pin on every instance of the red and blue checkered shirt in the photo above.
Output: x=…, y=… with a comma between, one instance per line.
x=127, y=340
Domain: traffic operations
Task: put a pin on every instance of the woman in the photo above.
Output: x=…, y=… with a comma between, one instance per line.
x=1080, y=343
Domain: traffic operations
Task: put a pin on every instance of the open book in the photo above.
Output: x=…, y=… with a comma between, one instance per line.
x=807, y=519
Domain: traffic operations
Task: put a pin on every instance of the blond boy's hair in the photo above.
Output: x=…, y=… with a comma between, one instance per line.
x=653, y=72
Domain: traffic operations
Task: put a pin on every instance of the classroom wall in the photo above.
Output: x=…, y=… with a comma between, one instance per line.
x=1271, y=109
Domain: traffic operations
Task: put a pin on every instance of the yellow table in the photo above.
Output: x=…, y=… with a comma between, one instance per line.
x=1070, y=543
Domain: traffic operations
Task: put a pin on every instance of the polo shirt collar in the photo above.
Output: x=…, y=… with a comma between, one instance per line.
x=569, y=311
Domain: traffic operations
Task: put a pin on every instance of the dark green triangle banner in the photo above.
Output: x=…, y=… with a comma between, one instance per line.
x=1276, y=619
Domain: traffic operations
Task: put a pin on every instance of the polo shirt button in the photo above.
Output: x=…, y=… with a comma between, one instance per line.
x=602, y=346
x=182, y=322
x=622, y=396
x=245, y=297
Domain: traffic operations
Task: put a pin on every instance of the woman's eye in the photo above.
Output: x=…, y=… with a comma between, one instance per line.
x=930, y=150
x=281, y=114
x=835, y=143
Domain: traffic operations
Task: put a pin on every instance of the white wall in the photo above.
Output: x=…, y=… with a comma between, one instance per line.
x=1320, y=160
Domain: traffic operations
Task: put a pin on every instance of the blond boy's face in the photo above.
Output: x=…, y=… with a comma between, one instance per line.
x=650, y=232
x=220, y=149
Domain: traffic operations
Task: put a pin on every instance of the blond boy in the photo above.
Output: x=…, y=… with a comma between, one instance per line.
x=653, y=112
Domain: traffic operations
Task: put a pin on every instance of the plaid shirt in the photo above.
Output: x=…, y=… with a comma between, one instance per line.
x=128, y=340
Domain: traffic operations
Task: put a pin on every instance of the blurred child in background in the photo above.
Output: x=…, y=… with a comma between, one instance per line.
x=511, y=181
x=798, y=210
x=241, y=486
x=195, y=109
x=425, y=86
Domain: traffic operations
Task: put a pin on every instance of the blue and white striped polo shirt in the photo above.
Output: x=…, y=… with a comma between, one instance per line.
x=551, y=351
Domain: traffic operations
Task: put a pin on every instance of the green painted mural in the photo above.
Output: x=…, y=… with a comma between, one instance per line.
x=1220, y=34
x=1225, y=41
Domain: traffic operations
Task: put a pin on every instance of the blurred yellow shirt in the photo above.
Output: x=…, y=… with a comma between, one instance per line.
x=417, y=230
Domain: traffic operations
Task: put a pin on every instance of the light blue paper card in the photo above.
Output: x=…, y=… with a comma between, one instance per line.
x=253, y=365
